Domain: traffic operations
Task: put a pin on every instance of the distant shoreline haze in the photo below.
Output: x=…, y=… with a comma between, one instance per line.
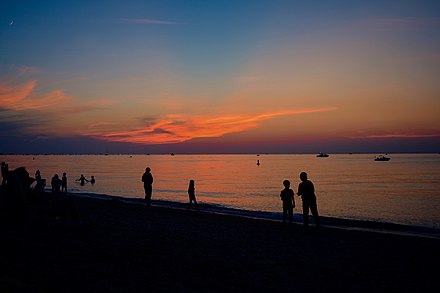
x=219, y=145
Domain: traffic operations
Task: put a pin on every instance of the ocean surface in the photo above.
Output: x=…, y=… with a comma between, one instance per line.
x=404, y=190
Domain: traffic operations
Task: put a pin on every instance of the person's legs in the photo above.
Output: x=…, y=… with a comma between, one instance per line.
x=148, y=192
x=305, y=205
x=290, y=215
x=314, y=210
x=284, y=215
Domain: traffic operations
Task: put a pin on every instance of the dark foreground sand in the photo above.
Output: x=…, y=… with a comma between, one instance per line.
x=126, y=248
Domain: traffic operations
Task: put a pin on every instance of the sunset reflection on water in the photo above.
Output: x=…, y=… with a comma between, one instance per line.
x=403, y=190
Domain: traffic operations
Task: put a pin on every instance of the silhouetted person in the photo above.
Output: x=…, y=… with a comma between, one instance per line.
x=82, y=180
x=56, y=184
x=258, y=162
x=5, y=171
x=286, y=196
x=192, y=193
x=147, y=178
x=41, y=183
x=307, y=192
x=64, y=182
x=92, y=180
x=18, y=195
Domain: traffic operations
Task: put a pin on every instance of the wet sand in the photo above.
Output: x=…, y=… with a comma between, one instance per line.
x=126, y=248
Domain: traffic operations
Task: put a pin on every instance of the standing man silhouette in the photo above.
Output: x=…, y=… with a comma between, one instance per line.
x=307, y=192
x=147, y=178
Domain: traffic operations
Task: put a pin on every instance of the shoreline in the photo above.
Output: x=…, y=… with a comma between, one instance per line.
x=328, y=222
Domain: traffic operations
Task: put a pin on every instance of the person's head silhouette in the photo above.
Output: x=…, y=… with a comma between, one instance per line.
x=286, y=183
x=303, y=176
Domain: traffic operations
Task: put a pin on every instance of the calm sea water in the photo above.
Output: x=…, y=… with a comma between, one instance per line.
x=405, y=190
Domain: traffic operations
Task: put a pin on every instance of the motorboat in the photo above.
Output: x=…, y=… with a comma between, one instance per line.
x=322, y=155
x=382, y=158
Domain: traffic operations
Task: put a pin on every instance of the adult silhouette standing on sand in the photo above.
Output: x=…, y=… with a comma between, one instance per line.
x=147, y=178
x=307, y=192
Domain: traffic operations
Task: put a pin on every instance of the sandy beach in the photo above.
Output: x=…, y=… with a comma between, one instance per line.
x=124, y=247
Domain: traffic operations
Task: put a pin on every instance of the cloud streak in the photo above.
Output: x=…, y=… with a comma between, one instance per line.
x=398, y=135
x=147, y=21
x=22, y=97
x=180, y=128
x=401, y=22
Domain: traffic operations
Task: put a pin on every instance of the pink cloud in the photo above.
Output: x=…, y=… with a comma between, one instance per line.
x=26, y=70
x=11, y=94
x=22, y=97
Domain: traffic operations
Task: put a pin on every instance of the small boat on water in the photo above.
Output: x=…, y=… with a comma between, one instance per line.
x=382, y=158
x=322, y=155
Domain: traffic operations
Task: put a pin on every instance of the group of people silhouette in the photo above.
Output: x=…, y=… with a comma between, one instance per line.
x=23, y=204
x=57, y=184
x=147, y=179
x=82, y=180
x=306, y=190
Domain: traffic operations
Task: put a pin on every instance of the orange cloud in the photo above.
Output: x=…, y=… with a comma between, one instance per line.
x=179, y=128
x=21, y=97
x=54, y=99
x=10, y=94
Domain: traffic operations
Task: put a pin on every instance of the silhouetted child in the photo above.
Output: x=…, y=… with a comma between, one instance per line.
x=288, y=201
x=56, y=183
x=82, y=179
x=92, y=180
x=307, y=192
x=147, y=178
x=192, y=193
x=64, y=182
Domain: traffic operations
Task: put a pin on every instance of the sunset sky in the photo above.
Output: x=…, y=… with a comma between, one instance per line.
x=219, y=76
